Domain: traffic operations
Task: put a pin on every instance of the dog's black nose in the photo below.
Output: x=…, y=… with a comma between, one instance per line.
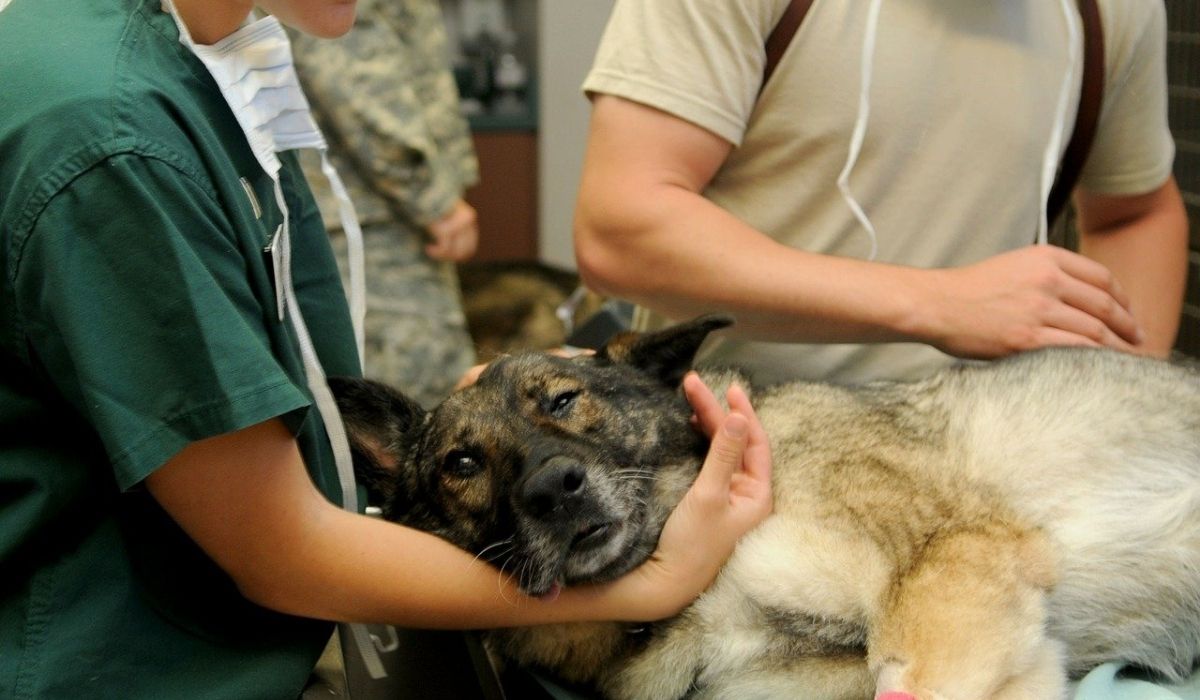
x=555, y=489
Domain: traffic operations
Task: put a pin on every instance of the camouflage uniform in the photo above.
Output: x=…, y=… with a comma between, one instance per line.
x=386, y=100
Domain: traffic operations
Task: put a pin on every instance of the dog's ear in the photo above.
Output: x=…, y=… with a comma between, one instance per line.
x=377, y=419
x=666, y=354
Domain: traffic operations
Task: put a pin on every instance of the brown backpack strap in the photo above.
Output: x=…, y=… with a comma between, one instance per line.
x=781, y=36
x=1091, y=96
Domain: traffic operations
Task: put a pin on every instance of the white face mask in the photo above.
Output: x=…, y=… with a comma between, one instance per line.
x=253, y=68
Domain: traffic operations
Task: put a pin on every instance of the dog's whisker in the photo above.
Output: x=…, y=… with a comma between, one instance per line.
x=647, y=474
x=500, y=581
x=506, y=541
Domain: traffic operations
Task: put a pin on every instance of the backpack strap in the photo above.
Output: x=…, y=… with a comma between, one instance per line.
x=1086, y=118
x=781, y=36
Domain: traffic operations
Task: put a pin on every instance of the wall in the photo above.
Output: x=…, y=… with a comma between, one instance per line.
x=568, y=34
x=1183, y=75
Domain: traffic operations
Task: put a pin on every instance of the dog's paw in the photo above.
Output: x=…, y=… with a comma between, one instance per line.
x=893, y=681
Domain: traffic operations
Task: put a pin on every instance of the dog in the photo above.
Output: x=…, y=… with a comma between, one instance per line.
x=988, y=532
x=514, y=306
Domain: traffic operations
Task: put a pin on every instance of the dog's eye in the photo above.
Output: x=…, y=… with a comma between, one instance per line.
x=462, y=464
x=560, y=403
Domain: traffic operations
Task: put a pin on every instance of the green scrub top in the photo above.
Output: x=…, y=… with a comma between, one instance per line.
x=137, y=315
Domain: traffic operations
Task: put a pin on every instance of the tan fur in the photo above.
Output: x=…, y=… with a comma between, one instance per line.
x=905, y=514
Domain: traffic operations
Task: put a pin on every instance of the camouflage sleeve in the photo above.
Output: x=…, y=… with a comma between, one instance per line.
x=386, y=99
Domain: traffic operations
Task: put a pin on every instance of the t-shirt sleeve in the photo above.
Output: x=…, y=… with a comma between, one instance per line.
x=1133, y=150
x=699, y=60
x=136, y=302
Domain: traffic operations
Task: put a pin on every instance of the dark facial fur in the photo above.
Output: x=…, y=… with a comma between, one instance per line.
x=558, y=471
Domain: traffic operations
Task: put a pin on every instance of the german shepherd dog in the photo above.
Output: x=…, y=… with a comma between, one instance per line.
x=986, y=533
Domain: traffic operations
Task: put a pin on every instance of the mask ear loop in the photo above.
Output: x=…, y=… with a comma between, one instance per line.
x=860, y=126
x=327, y=408
x=354, y=254
x=1054, y=147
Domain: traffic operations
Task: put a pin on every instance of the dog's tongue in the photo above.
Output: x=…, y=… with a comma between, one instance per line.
x=552, y=594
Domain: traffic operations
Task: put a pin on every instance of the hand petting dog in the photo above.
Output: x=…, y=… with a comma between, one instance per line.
x=731, y=495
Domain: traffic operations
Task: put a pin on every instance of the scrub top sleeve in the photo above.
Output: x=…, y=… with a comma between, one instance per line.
x=150, y=314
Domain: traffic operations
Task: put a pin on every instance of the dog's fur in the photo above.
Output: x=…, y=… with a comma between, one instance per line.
x=981, y=534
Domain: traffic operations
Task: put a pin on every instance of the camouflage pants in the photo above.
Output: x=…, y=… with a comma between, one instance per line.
x=416, y=333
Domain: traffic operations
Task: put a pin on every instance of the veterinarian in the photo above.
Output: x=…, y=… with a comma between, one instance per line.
x=172, y=469
x=387, y=103
x=869, y=211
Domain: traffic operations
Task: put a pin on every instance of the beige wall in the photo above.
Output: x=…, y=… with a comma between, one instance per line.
x=568, y=33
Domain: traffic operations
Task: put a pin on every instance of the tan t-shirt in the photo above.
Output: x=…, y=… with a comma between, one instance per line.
x=963, y=99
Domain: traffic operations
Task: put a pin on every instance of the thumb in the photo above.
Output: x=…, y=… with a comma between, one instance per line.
x=725, y=453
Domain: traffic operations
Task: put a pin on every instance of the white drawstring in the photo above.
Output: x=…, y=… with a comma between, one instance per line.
x=1051, y=155
x=860, y=126
x=1054, y=146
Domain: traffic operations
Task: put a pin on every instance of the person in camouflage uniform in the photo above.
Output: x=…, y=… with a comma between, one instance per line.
x=386, y=100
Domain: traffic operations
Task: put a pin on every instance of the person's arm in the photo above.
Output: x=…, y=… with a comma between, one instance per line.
x=1143, y=239
x=643, y=231
x=247, y=500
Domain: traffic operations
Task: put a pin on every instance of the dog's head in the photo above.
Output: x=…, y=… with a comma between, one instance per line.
x=556, y=470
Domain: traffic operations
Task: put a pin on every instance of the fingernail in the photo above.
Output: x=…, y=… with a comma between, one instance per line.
x=736, y=428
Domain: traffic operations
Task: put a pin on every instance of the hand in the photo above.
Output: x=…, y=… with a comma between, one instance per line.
x=455, y=235
x=1029, y=298
x=470, y=376
x=731, y=495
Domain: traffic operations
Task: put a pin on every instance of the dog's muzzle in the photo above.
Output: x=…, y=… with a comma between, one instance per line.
x=558, y=494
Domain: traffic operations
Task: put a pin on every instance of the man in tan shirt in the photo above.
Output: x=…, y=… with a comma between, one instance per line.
x=702, y=193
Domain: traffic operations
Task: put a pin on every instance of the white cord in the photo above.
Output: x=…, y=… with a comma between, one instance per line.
x=860, y=126
x=354, y=255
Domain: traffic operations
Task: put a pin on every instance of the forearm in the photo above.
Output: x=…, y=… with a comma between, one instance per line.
x=672, y=250
x=1147, y=253
x=347, y=567
x=246, y=499
x=644, y=231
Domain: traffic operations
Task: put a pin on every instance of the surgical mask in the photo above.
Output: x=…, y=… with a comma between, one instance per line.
x=254, y=71
x=1050, y=157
